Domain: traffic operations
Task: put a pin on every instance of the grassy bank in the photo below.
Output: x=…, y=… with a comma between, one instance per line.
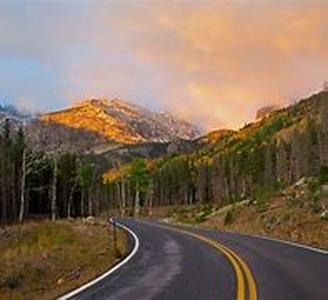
x=277, y=219
x=298, y=213
x=42, y=260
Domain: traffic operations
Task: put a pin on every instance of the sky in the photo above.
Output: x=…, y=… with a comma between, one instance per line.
x=213, y=63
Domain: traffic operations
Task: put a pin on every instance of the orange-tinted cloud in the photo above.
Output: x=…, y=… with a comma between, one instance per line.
x=223, y=61
x=213, y=62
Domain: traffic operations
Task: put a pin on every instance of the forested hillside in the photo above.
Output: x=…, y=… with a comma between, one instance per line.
x=229, y=166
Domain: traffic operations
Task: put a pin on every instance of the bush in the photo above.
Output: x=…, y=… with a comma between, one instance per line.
x=229, y=217
x=323, y=176
x=13, y=280
x=263, y=195
x=204, y=212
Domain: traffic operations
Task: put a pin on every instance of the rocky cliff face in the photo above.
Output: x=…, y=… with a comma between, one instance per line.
x=122, y=122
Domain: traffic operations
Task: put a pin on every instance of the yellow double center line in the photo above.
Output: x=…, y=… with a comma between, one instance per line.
x=246, y=287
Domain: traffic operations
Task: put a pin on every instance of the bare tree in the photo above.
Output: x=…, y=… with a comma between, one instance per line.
x=54, y=189
x=30, y=163
x=123, y=194
x=23, y=187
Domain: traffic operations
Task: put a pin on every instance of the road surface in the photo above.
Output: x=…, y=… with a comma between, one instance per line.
x=189, y=263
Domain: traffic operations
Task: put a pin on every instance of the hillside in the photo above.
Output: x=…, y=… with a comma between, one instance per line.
x=122, y=122
x=252, y=163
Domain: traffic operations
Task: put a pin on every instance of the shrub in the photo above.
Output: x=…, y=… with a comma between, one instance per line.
x=13, y=280
x=202, y=215
x=323, y=176
x=262, y=195
x=229, y=217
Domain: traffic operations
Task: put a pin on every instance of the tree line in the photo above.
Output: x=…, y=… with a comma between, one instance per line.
x=37, y=184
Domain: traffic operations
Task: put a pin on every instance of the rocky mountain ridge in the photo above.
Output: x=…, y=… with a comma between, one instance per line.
x=122, y=122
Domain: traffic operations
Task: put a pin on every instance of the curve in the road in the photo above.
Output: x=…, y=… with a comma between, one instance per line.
x=178, y=262
x=246, y=287
x=110, y=271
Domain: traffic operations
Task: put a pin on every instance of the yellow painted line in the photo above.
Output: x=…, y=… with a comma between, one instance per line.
x=238, y=264
x=249, y=277
x=241, y=287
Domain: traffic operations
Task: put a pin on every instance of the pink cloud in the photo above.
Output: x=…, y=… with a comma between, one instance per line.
x=211, y=62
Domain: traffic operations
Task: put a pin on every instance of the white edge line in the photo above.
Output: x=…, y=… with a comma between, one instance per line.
x=297, y=245
x=109, y=272
x=272, y=239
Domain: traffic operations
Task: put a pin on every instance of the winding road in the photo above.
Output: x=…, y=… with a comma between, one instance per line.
x=190, y=263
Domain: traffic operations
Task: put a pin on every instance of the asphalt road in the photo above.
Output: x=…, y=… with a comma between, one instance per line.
x=179, y=263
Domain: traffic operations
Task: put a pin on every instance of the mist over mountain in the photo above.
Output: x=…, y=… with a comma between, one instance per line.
x=13, y=112
x=112, y=128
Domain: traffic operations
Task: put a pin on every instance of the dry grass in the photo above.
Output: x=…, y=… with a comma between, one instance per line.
x=276, y=219
x=52, y=258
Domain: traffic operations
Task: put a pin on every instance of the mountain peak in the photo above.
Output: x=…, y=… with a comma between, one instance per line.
x=122, y=122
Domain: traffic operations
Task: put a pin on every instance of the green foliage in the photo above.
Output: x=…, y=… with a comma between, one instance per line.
x=85, y=175
x=67, y=167
x=205, y=211
x=139, y=174
x=262, y=195
x=193, y=214
x=74, y=177
x=273, y=126
x=323, y=176
x=314, y=195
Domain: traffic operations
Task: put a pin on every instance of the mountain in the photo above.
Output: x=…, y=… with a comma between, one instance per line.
x=13, y=112
x=266, y=110
x=122, y=122
x=13, y=117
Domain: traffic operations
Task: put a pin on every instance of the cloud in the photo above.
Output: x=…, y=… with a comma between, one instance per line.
x=213, y=63
x=227, y=60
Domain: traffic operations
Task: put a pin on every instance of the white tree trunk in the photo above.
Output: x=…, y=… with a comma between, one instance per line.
x=137, y=200
x=54, y=191
x=123, y=194
x=23, y=186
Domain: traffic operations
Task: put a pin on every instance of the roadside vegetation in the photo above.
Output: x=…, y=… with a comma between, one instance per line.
x=41, y=260
x=297, y=213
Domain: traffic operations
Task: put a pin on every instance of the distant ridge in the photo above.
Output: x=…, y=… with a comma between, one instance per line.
x=122, y=122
